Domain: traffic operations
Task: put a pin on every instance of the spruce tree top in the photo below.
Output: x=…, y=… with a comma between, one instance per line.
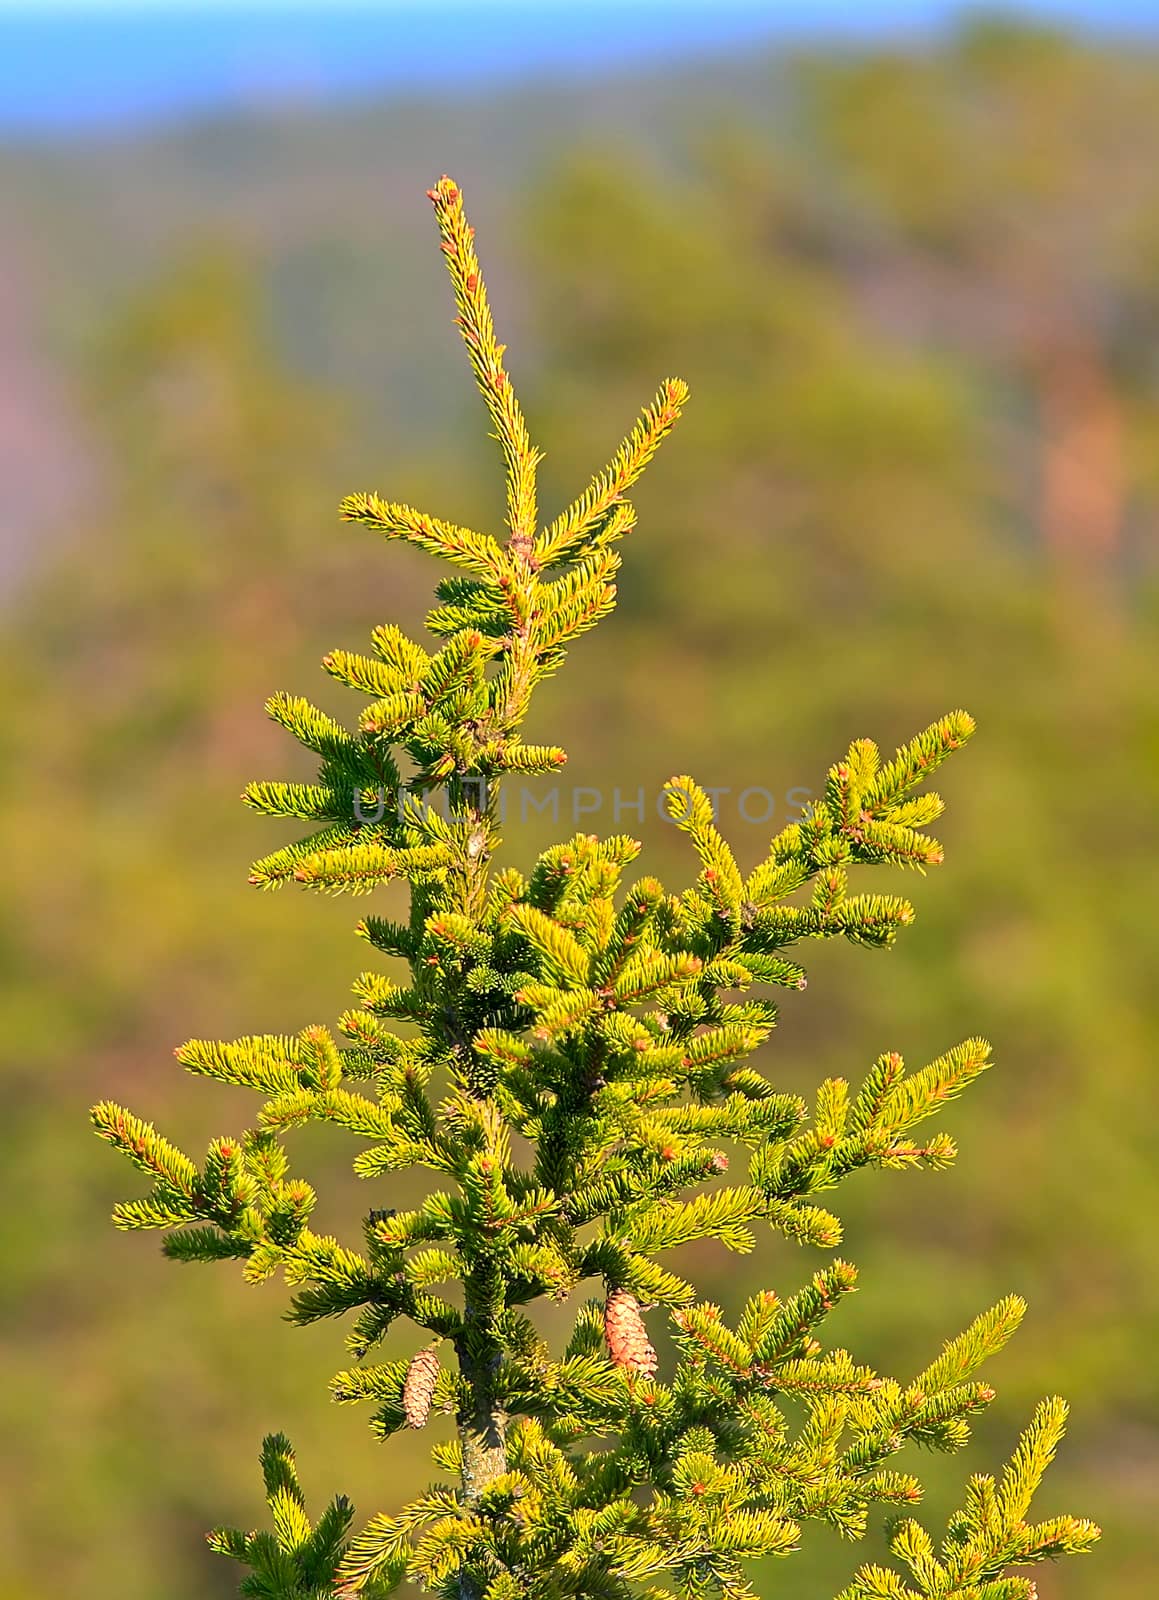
x=610, y=1030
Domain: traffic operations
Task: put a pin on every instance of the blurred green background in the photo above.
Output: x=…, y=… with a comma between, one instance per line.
x=915, y=290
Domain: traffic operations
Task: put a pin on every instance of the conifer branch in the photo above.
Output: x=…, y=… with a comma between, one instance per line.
x=486, y=357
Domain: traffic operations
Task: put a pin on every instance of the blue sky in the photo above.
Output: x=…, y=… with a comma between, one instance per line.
x=68, y=65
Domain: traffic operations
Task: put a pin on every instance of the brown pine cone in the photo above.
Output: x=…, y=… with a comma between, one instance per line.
x=627, y=1337
x=419, y=1389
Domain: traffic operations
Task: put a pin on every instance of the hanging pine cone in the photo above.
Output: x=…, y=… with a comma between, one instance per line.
x=627, y=1337
x=419, y=1389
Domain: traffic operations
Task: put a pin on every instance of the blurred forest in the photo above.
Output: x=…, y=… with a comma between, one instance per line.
x=916, y=296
